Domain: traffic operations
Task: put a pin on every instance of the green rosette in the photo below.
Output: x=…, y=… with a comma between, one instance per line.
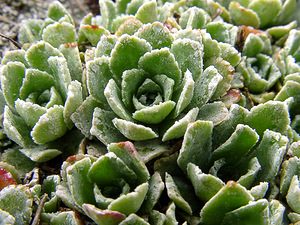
x=141, y=89
x=40, y=93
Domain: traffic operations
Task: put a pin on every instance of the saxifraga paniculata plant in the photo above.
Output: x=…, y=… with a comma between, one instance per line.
x=210, y=108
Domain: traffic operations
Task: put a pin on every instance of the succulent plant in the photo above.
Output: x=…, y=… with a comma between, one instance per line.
x=196, y=105
x=40, y=94
x=143, y=89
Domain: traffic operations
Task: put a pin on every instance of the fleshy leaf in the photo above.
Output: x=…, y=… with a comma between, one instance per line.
x=73, y=101
x=293, y=194
x=12, y=75
x=41, y=50
x=6, y=218
x=243, y=16
x=131, y=202
x=206, y=86
x=156, y=187
x=79, y=183
x=131, y=80
x=113, y=96
x=237, y=146
x=253, y=168
x=35, y=81
x=215, y=112
x=134, y=131
x=83, y=116
x=108, y=12
x=147, y=13
x=93, y=33
x=205, y=185
x=22, y=211
x=104, y=217
x=103, y=128
x=126, y=54
x=270, y=153
x=66, y=218
x=59, y=33
x=260, y=190
x=178, y=129
x=50, y=126
x=129, y=26
x=186, y=93
x=253, y=213
x=154, y=114
x=195, y=18
x=14, y=56
x=134, y=219
x=164, y=62
x=129, y=155
x=289, y=168
x=266, y=17
x=105, y=45
x=196, y=146
x=230, y=54
x=16, y=129
x=277, y=212
x=56, y=11
x=39, y=154
x=230, y=197
x=273, y=113
x=156, y=31
x=103, y=171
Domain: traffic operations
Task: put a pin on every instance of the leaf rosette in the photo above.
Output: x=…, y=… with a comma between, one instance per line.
x=107, y=189
x=40, y=93
x=151, y=84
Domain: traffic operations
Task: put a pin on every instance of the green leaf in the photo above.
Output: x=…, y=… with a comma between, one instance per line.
x=73, y=101
x=83, y=116
x=178, y=129
x=6, y=218
x=14, y=56
x=196, y=145
x=277, y=212
x=105, y=217
x=232, y=196
x=30, y=112
x=93, y=33
x=103, y=128
x=156, y=31
x=194, y=18
x=134, y=219
x=166, y=84
x=266, y=16
x=205, y=87
x=131, y=202
x=129, y=26
x=133, y=6
x=66, y=218
x=126, y=54
x=98, y=74
x=56, y=11
x=103, y=171
x=40, y=154
x=134, y=131
x=61, y=74
x=289, y=168
x=16, y=129
x=156, y=187
x=11, y=81
x=29, y=31
x=131, y=80
x=35, y=81
x=189, y=55
x=59, y=33
x=154, y=114
x=215, y=112
x=270, y=153
x=22, y=211
x=127, y=152
x=108, y=12
x=293, y=194
x=50, y=126
x=147, y=13
x=205, y=185
x=72, y=55
x=260, y=190
x=273, y=113
x=253, y=213
x=161, y=61
x=253, y=168
x=78, y=182
x=230, y=54
x=113, y=97
x=37, y=56
x=243, y=16
x=253, y=45
x=105, y=45
x=238, y=145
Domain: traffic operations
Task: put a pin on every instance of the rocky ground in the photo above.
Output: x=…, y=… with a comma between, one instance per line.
x=12, y=13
